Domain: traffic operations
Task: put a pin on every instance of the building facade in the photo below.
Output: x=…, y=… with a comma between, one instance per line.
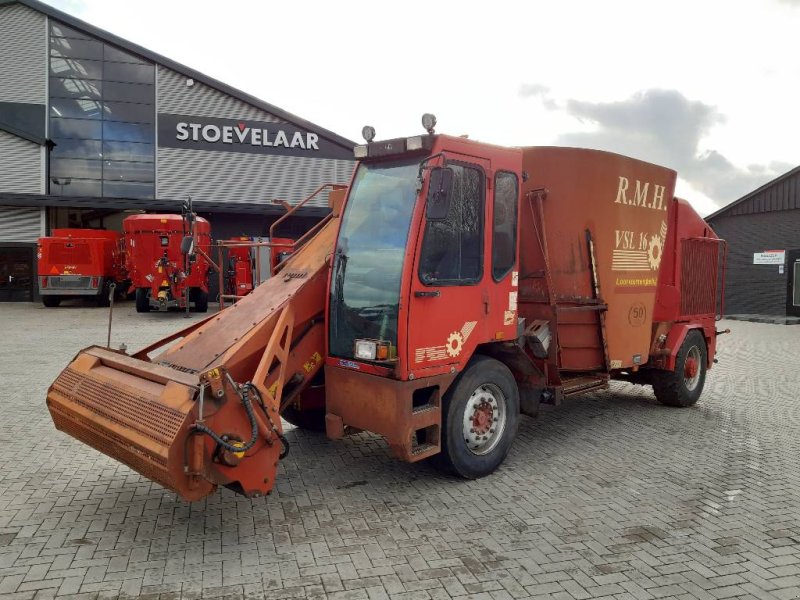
x=93, y=128
x=763, y=233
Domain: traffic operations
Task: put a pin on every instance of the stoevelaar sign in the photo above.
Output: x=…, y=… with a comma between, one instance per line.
x=240, y=135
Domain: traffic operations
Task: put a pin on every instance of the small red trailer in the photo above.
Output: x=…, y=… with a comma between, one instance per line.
x=80, y=263
x=163, y=276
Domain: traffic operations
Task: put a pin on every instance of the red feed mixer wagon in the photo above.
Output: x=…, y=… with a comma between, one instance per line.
x=457, y=286
x=163, y=275
x=80, y=263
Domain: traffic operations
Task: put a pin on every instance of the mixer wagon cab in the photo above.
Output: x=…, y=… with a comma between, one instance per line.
x=457, y=286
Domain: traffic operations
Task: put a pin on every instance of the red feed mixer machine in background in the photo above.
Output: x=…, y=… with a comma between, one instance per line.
x=247, y=262
x=166, y=270
x=80, y=263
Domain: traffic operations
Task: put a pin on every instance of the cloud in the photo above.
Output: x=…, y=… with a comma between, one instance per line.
x=537, y=90
x=527, y=90
x=666, y=128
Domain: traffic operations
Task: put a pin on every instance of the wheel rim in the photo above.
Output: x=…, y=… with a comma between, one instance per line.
x=691, y=368
x=484, y=419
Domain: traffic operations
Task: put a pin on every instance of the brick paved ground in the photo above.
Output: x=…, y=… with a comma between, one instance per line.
x=609, y=496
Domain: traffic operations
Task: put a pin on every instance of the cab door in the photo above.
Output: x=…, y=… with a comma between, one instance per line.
x=449, y=295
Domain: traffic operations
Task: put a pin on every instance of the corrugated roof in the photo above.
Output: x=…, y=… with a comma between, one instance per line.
x=782, y=193
x=184, y=70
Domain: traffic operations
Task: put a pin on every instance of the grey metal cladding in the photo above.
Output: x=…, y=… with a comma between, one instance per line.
x=20, y=224
x=21, y=161
x=246, y=178
x=200, y=100
x=782, y=193
x=749, y=288
x=23, y=55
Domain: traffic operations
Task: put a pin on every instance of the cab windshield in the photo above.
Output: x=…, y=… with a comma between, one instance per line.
x=368, y=264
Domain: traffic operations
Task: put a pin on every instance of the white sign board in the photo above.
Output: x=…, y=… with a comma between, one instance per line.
x=769, y=257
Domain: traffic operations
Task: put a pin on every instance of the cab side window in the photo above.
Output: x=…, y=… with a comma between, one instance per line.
x=504, y=224
x=452, y=249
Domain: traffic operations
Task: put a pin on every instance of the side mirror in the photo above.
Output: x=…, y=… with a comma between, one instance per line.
x=440, y=189
x=187, y=245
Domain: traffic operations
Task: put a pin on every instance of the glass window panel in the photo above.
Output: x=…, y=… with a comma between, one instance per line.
x=127, y=189
x=80, y=108
x=132, y=113
x=128, y=151
x=129, y=92
x=452, y=248
x=129, y=73
x=79, y=68
x=75, y=88
x=128, y=171
x=76, y=168
x=117, y=55
x=128, y=132
x=504, y=224
x=75, y=187
x=76, y=128
x=76, y=149
x=59, y=29
x=71, y=48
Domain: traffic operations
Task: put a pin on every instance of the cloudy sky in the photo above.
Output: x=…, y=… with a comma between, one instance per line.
x=709, y=88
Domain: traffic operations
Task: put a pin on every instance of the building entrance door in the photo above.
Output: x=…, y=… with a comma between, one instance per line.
x=16, y=274
x=793, y=283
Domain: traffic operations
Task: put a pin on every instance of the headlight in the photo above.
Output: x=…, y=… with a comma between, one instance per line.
x=374, y=350
x=366, y=350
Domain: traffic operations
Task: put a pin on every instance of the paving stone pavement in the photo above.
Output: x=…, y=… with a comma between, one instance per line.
x=608, y=496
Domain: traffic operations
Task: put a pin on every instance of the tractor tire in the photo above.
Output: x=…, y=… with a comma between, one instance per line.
x=683, y=386
x=312, y=419
x=200, y=299
x=480, y=416
x=51, y=301
x=142, y=300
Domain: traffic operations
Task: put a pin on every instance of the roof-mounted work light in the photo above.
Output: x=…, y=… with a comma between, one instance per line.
x=368, y=133
x=429, y=122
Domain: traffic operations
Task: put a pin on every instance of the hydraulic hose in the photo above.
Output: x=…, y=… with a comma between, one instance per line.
x=248, y=407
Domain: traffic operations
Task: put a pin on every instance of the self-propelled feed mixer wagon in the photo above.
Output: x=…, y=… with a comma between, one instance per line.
x=457, y=285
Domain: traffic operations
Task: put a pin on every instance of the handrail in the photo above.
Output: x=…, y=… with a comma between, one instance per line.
x=332, y=186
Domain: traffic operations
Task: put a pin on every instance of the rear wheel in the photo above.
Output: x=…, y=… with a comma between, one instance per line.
x=142, y=300
x=683, y=386
x=51, y=301
x=480, y=415
x=200, y=299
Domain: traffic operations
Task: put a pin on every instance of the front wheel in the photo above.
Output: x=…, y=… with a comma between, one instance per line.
x=102, y=299
x=683, y=386
x=142, y=300
x=480, y=415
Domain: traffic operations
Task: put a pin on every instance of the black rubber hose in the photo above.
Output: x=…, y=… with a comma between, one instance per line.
x=248, y=407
